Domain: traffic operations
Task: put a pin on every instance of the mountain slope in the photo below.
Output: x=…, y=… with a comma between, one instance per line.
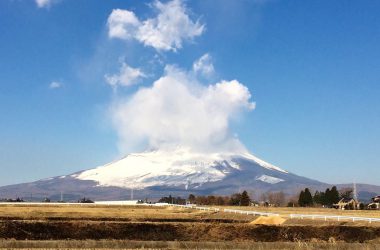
x=157, y=173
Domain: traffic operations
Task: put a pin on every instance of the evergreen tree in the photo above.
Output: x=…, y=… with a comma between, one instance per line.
x=308, y=197
x=235, y=199
x=245, y=200
x=334, y=195
x=317, y=197
x=326, y=198
x=301, y=199
x=191, y=198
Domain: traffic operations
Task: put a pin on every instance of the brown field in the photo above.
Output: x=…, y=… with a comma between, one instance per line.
x=117, y=227
x=114, y=213
x=311, y=210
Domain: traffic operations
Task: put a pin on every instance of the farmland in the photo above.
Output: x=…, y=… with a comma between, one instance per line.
x=83, y=226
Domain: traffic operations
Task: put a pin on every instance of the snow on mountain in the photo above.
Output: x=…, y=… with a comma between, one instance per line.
x=269, y=179
x=172, y=168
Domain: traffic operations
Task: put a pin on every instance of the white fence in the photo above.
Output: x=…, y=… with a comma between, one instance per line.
x=292, y=216
x=213, y=209
x=95, y=204
x=48, y=204
x=333, y=217
x=249, y=212
x=235, y=211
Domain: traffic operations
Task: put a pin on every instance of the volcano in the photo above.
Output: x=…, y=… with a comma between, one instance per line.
x=156, y=173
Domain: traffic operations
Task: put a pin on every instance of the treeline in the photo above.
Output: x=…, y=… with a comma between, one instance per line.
x=237, y=199
x=327, y=198
x=12, y=200
x=82, y=200
x=173, y=200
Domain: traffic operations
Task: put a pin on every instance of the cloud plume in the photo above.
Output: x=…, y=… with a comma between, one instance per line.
x=177, y=110
x=165, y=32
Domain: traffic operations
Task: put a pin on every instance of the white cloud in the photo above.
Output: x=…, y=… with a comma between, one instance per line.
x=176, y=110
x=166, y=31
x=44, y=3
x=122, y=24
x=55, y=85
x=204, y=66
x=127, y=76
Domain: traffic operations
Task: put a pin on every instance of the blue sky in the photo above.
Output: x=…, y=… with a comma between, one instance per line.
x=312, y=68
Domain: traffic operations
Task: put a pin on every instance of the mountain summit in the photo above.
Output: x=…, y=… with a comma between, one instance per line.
x=180, y=167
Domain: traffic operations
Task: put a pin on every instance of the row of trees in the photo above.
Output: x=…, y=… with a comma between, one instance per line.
x=173, y=200
x=238, y=199
x=327, y=198
x=12, y=200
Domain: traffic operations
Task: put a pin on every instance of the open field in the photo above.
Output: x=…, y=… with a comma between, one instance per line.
x=138, y=212
x=311, y=210
x=114, y=213
x=79, y=226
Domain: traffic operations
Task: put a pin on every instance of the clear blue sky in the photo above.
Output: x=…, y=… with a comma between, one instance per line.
x=313, y=68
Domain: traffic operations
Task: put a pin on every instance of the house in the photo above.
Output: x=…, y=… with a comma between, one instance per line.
x=375, y=203
x=255, y=203
x=347, y=204
x=376, y=199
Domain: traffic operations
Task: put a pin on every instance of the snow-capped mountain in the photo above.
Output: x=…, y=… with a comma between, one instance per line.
x=178, y=171
x=172, y=168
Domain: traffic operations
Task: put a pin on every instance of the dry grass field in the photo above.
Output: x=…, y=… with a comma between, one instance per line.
x=114, y=213
x=311, y=210
x=122, y=227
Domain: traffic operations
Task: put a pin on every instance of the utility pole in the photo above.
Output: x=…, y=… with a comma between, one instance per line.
x=355, y=194
x=61, y=196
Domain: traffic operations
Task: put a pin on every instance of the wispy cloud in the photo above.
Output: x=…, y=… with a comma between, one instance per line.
x=127, y=76
x=55, y=85
x=204, y=66
x=45, y=3
x=165, y=32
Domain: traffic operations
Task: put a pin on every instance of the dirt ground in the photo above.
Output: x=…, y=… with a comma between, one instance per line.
x=269, y=220
x=119, y=244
